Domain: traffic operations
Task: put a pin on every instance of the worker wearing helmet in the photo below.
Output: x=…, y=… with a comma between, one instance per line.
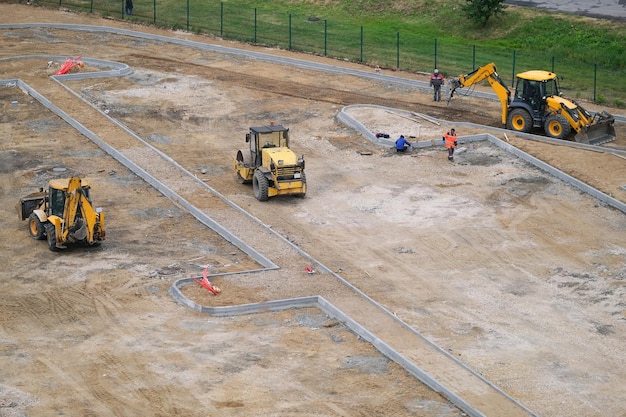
x=436, y=81
x=450, y=140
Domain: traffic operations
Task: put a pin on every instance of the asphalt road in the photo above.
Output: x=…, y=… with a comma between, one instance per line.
x=604, y=9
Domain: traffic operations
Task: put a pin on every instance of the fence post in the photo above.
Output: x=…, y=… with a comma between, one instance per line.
x=361, y=59
x=289, y=32
x=435, y=53
x=595, y=75
x=473, y=57
x=221, y=19
x=120, y=0
x=91, y=6
x=187, y=15
x=513, y=74
x=325, y=37
x=552, y=63
x=154, y=12
x=398, y=50
x=255, y=24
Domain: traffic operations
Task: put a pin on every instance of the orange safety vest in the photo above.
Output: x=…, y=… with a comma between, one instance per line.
x=450, y=139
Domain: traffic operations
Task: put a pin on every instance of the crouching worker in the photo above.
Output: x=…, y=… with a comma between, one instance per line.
x=402, y=144
x=450, y=140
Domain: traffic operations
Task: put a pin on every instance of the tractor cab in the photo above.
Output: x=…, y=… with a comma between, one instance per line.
x=269, y=164
x=538, y=104
x=58, y=194
x=264, y=137
x=63, y=214
x=533, y=87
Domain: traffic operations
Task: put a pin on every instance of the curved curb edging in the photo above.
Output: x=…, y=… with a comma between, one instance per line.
x=317, y=301
x=107, y=68
x=162, y=188
x=330, y=310
x=265, y=57
x=584, y=187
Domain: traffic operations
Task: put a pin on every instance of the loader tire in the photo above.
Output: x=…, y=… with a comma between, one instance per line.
x=260, y=184
x=557, y=126
x=51, y=233
x=519, y=120
x=35, y=227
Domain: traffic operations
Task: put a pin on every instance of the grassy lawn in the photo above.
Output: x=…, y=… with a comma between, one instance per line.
x=589, y=55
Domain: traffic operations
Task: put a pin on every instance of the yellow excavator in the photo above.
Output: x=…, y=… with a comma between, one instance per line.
x=63, y=214
x=538, y=103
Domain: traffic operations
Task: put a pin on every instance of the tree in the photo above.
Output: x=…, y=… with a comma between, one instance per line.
x=480, y=11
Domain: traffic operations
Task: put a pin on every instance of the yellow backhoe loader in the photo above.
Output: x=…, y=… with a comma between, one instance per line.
x=269, y=164
x=538, y=103
x=63, y=214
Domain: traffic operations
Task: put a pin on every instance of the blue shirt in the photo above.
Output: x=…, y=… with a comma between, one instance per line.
x=400, y=143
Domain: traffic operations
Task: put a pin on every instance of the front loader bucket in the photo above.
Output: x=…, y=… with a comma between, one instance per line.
x=598, y=133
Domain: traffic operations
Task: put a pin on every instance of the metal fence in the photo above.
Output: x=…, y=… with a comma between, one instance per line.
x=398, y=50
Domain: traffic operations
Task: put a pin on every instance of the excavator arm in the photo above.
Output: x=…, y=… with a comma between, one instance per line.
x=486, y=72
x=71, y=203
x=83, y=226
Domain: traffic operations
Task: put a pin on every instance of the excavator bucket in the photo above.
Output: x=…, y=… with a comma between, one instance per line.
x=454, y=84
x=599, y=132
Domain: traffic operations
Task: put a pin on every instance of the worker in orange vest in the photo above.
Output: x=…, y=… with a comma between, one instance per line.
x=450, y=140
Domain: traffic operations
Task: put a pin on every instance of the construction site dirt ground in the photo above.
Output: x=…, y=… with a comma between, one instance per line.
x=519, y=275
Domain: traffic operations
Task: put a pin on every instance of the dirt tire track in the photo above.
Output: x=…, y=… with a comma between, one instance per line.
x=302, y=90
x=535, y=308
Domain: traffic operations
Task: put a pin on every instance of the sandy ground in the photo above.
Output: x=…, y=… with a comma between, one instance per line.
x=518, y=275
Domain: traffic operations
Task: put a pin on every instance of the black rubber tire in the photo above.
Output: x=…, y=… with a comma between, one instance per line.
x=261, y=185
x=35, y=227
x=519, y=120
x=557, y=126
x=51, y=233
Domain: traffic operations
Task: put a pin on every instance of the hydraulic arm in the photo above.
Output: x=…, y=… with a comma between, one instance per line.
x=490, y=73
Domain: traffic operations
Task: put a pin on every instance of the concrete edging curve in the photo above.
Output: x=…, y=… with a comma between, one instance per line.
x=595, y=193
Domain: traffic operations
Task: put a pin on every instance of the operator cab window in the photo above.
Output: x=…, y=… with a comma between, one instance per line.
x=268, y=141
x=274, y=140
x=531, y=92
x=551, y=88
x=57, y=202
x=283, y=138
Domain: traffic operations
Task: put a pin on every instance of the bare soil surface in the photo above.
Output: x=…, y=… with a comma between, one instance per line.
x=516, y=274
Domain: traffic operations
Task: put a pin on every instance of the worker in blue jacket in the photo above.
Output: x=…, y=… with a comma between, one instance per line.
x=402, y=144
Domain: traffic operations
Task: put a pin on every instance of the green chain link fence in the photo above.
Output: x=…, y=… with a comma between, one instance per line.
x=401, y=51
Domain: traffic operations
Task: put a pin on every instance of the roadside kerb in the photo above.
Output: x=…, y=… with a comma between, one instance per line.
x=349, y=121
x=374, y=340
x=199, y=215
x=454, y=367
x=332, y=311
x=261, y=56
